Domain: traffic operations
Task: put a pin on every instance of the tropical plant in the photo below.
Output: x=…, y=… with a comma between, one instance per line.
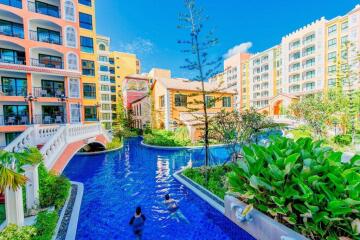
x=301, y=184
x=114, y=144
x=45, y=225
x=10, y=167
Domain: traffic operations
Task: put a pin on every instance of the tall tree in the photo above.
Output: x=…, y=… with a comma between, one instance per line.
x=199, y=62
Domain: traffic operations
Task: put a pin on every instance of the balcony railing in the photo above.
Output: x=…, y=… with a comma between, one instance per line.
x=10, y=91
x=46, y=92
x=12, y=60
x=12, y=3
x=9, y=120
x=50, y=119
x=44, y=10
x=47, y=63
x=45, y=37
x=12, y=31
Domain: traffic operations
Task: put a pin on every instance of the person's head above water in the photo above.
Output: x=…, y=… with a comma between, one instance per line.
x=167, y=197
x=138, y=210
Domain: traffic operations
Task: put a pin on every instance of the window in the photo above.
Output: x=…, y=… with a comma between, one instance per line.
x=332, y=29
x=104, y=78
x=74, y=88
x=12, y=56
x=13, y=86
x=332, y=82
x=72, y=61
x=106, y=107
x=50, y=61
x=344, y=40
x=332, y=57
x=47, y=9
x=226, y=101
x=294, y=67
x=87, y=44
x=11, y=29
x=295, y=88
x=332, y=42
x=294, y=78
x=294, y=56
x=105, y=88
x=105, y=97
x=90, y=113
x=104, y=68
x=180, y=100
x=309, y=50
x=51, y=88
x=75, y=113
x=70, y=37
x=69, y=11
x=309, y=74
x=9, y=137
x=294, y=44
x=344, y=26
x=85, y=21
x=103, y=59
x=162, y=101
x=102, y=47
x=16, y=114
x=89, y=90
x=309, y=38
x=332, y=69
x=88, y=68
x=309, y=62
x=85, y=2
x=14, y=3
x=210, y=101
x=48, y=36
x=344, y=54
x=309, y=86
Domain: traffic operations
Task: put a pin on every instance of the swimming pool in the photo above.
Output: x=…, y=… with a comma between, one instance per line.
x=116, y=183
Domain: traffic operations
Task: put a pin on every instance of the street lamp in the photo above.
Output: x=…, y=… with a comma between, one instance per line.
x=30, y=99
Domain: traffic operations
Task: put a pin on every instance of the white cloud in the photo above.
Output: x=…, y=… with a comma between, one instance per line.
x=241, y=48
x=139, y=46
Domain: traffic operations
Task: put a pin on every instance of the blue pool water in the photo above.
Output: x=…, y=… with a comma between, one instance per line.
x=116, y=183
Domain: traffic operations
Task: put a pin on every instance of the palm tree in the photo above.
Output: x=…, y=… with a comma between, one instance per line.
x=10, y=167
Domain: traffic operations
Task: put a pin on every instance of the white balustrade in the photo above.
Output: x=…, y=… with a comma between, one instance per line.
x=23, y=141
x=44, y=133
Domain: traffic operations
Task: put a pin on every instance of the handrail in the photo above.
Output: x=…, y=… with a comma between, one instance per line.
x=22, y=141
x=54, y=146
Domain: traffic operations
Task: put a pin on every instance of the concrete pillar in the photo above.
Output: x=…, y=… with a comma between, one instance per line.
x=32, y=186
x=14, y=207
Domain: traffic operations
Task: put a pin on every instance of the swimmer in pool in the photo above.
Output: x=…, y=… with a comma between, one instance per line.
x=137, y=222
x=173, y=207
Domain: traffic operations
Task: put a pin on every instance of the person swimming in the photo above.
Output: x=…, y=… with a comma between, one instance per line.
x=137, y=222
x=173, y=207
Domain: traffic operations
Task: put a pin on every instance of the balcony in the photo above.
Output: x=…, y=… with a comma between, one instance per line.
x=13, y=119
x=12, y=60
x=6, y=90
x=46, y=37
x=47, y=63
x=50, y=119
x=49, y=92
x=44, y=8
x=12, y=3
x=12, y=31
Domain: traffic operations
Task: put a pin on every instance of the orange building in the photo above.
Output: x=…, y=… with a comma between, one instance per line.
x=40, y=73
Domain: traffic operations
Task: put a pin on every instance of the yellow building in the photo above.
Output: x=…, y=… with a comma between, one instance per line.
x=88, y=58
x=121, y=65
x=178, y=102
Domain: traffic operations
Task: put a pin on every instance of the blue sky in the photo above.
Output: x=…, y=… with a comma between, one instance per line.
x=148, y=28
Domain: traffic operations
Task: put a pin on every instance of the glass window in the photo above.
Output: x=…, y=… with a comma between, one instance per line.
x=12, y=56
x=332, y=69
x=344, y=40
x=332, y=29
x=102, y=47
x=105, y=97
x=69, y=11
x=85, y=2
x=90, y=113
x=87, y=44
x=104, y=68
x=48, y=36
x=16, y=114
x=180, y=100
x=344, y=26
x=51, y=88
x=13, y=86
x=75, y=116
x=50, y=61
x=103, y=58
x=226, y=101
x=11, y=29
x=74, y=88
x=9, y=137
x=162, y=101
x=85, y=21
x=210, y=101
x=332, y=56
x=332, y=42
x=89, y=90
x=12, y=3
x=104, y=78
x=47, y=9
x=72, y=61
x=88, y=68
x=70, y=37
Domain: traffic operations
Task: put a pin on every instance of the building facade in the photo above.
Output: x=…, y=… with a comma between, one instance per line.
x=309, y=60
x=40, y=68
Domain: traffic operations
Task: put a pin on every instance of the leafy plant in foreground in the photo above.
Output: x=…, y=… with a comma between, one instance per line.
x=301, y=184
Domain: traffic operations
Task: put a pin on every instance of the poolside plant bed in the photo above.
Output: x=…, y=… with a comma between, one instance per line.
x=302, y=185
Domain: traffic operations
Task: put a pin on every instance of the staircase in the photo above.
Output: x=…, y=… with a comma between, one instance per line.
x=59, y=143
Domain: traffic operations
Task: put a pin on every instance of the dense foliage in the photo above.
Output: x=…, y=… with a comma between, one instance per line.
x=167, y=138
x=45, y=225
x=301, y=184
x=14, y=232
x=54, y=189
x=217, y=178
x=344, y=140
x=114, y=144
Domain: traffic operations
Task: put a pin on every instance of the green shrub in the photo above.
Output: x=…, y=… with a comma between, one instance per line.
x=13, y=232
x=344, y=140
x=45, y=225
x=54, y=189
x=181, y=136
x=178, y=138
x=114, y=144
x=301, y=184
x=217, y=178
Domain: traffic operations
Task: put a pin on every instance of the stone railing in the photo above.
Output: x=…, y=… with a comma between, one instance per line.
x=45, y=133
x=53, y=148
x=22, y=141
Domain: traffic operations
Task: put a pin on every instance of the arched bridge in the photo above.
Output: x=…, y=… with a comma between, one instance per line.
x=58, y=144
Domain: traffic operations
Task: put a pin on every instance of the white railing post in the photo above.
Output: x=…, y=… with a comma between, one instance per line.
x=14, y=206
x=32, y=186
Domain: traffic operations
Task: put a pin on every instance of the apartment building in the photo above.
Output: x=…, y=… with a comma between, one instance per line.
x=39, y=65
x=107, y=88
x=309, y=60
x=121, y=65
